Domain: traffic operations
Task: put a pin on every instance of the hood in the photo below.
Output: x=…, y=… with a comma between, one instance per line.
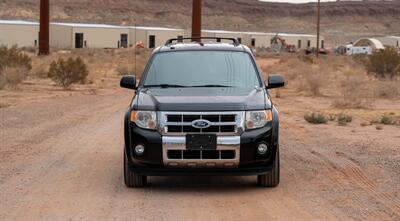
x=201, y=99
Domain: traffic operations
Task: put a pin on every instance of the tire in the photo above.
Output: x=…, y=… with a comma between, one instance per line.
x=131, y=179
x=271, y=179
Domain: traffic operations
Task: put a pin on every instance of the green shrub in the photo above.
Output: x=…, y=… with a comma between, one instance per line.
x=316, y=118
x=344, y=119
x=387, y=120
x=67, y=72
x=14, y=57
x=384, y=63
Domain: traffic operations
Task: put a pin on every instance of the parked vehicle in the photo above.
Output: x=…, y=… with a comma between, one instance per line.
x=350, y=49
x=201, y=108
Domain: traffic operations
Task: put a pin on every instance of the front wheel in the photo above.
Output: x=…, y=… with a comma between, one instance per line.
x=131, y=179
x=271, y=179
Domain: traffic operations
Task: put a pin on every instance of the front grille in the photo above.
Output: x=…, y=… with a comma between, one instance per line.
x=201, y=154
x=181, y=123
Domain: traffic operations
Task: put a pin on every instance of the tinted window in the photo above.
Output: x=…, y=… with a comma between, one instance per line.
x=196, y=68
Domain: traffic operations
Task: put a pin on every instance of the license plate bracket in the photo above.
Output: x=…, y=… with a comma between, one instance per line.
x=201, y=141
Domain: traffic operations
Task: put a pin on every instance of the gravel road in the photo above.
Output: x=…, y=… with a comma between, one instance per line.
x=61, y=159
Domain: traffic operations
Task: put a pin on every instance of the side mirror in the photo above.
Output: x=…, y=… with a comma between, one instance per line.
x=275, y=81
x=129, y=82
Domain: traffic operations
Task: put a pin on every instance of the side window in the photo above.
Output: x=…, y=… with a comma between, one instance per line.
x=253, y=42
x=152, y=41
x=308, y=43
x=299, y=44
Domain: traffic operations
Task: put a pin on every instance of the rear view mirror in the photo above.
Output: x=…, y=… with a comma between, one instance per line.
x=275, y=81
x=128, y=82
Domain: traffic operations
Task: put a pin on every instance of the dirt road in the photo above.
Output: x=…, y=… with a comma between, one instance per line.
x=61, y=159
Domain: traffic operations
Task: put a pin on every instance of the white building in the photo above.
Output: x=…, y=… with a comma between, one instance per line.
x=152, y=37
x=20, y=33
x=77, y=35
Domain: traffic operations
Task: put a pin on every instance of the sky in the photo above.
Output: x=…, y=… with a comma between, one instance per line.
x=296, y=1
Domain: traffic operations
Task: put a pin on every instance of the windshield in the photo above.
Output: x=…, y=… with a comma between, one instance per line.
x=202, y=69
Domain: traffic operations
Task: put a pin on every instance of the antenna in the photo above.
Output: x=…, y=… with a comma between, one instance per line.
x=318, y=26
x=135, y=48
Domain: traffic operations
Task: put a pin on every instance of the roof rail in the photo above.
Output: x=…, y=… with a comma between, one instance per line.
x=170, y=41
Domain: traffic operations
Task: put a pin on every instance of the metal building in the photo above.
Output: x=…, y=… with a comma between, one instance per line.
x=152, y=37
x=77, y=35
x=392, y=41
x=19, y=33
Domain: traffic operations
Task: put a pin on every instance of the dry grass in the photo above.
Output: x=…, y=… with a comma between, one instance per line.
x=354, y=93
x=339, y=77
x=12, y=76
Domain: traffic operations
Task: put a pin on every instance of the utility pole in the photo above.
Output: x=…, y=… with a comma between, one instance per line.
x=44, y=33
x=318, y=25
x=196, y=19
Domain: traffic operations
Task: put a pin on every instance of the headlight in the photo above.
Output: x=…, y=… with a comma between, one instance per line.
x=144, y=119
x=257, y=119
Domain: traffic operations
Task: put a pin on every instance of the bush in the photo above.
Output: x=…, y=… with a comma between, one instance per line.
x=14, y=66
x=3, y=81
x=344, y=119
x=67, y=72
x=354, y=93
x=12, y=76
x=315, y=118
x=311, y=81
x=14, y=57
x=384, y=63
x=387, y=120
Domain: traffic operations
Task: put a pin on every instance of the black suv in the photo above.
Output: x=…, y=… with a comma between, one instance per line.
x=201, y=108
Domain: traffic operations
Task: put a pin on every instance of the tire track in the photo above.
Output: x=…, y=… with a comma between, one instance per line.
x=345, y=171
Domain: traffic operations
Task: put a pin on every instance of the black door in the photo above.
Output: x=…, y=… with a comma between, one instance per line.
x=124, y=40
x=152, y=41
x=78, y=40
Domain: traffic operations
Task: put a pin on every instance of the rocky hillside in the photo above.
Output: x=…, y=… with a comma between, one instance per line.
x=340, y=20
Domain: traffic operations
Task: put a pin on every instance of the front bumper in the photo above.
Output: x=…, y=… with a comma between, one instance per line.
x=154, y=162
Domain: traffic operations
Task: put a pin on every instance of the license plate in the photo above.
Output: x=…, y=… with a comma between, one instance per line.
x=201, y=141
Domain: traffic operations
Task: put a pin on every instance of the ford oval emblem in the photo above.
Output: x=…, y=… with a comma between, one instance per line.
x=201, y=124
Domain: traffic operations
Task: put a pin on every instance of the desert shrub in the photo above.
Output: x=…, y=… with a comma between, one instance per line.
x=41, y=73
x=307, y=58
x=14, y=57
x=315, y=118
x=332, y=117
x=387, y=89
x=387, y=120
x=67, y=72
x=12, y=76
x=311, y=81
x=344, y=119
x=384, y=63
x=354, y=93
x=361, y=59
x=3, y=80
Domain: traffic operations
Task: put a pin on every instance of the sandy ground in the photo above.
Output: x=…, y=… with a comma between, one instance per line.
x=61, y=159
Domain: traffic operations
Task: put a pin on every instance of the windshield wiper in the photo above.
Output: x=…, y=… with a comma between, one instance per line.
x=165, y=85
x=211, y=85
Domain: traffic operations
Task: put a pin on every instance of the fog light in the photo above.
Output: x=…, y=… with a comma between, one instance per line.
x=262, y=148
x=139, y=149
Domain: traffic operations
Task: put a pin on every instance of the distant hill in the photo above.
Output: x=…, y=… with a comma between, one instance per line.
x=341, y=21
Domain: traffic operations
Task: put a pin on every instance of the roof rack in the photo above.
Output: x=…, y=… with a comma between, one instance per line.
x=170, y=41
